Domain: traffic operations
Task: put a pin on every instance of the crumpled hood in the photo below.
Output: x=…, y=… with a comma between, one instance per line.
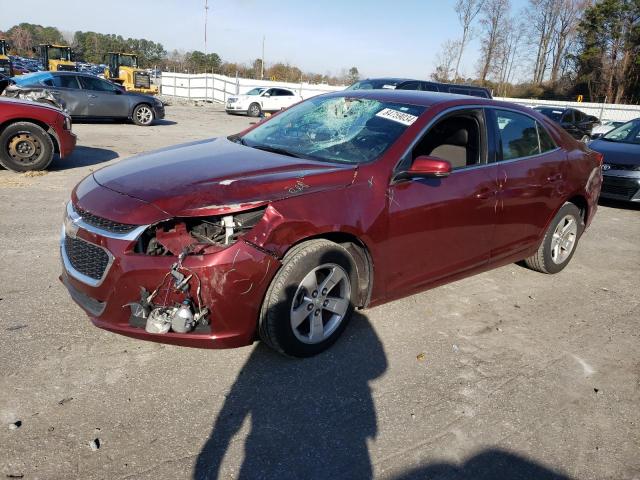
x=215, y=176
x=617, y=152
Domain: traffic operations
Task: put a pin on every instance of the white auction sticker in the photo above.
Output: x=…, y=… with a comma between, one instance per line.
x=396, y=116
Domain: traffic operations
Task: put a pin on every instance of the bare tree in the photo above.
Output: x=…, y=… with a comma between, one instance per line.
x=507, y=54
x=494, y=15
x=467, y=11
x=444, y=61
x=542, y=16
x=565, y=33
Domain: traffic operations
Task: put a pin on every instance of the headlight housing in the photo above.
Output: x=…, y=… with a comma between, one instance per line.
x=232, y=100
x=67, y=123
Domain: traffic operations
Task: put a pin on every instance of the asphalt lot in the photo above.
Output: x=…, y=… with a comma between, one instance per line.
x=509, y=374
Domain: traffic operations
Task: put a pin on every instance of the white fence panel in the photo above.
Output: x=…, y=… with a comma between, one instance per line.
x=217, y=88
x=604, y=111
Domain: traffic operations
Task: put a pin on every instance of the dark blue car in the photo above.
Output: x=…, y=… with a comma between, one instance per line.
x=621, y=166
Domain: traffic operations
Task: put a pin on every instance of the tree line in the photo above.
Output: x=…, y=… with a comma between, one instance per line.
x=92, y=47
x=550, y=49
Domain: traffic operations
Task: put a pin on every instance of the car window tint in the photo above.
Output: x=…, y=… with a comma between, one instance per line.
x=90, y=83
x=409, y=86
x=65, y=81
x=284, y=93
x=271, y=92
x=546, y=142
x=578, y=116
x=567, y=117
x=456, y=139
x=518, y=135
x=459, y=91
x=428, y=87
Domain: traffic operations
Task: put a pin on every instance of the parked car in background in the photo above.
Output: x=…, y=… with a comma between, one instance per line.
x=421, y=85
x=604, y=127
x=31, y=133
x=260, y=100
x=577, y=123
x=275, y=231
x=86, y=96
x=621, y=166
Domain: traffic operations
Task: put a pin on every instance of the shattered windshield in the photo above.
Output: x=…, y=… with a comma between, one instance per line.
x=335, y=129
x=255, y=91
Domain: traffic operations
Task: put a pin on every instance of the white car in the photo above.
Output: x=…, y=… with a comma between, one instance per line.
x=262, y=99
x=604, y=127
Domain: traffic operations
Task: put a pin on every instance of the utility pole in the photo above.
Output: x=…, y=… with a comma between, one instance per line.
x=262, y=62
x=206, y=14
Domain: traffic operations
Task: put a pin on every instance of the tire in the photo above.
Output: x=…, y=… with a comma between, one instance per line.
x=143, y=115
x=555, y=252
x=25, y=146
x=254, y=110
x=291, y=300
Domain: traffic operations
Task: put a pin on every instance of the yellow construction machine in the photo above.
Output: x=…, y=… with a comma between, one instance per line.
x=5, y=63
x=56, y=58
x=123, y=68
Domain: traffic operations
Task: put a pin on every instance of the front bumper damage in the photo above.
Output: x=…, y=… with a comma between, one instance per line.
x=233, y=284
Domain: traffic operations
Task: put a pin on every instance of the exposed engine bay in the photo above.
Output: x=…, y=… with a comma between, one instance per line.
x=176, y=305
x=35, y=94
x=198, y=235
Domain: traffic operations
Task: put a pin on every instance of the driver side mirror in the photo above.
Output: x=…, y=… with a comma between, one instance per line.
x=267, y=95
x=428, y=167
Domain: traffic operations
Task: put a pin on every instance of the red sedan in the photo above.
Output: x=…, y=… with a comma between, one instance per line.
x=344, y=201
x=30, y=134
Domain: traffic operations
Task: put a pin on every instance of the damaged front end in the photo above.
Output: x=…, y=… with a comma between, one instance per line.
x=191, y=281
x=172, y=306
x=35, y=94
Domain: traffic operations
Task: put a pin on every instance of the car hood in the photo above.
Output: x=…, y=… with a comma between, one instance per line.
x=215, y=176
x=617, y=152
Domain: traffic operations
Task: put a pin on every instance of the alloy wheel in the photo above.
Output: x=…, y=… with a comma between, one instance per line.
x=564, y=239
x=144, y=115
x=320, y=303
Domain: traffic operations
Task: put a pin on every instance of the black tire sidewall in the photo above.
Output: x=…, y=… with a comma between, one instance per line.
x=549, y=265
x=257, y=114
x=135, y=117
x=46, y=155
x=281, y=298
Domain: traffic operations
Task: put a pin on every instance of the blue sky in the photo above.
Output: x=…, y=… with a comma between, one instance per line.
x=379, y=37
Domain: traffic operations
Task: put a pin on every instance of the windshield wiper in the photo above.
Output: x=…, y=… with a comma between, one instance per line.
x=281, y=151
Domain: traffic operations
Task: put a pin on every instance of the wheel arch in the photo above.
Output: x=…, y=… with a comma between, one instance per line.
x=361, y=256
x=47, y=128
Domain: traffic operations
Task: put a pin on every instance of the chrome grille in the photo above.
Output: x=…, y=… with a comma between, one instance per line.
x=86, y=258
x=104, y=223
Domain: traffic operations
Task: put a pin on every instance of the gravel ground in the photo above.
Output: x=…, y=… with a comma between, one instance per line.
x=509, y=374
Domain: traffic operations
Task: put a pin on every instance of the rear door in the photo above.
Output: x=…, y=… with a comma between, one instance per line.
x=68, y=89
x=529, y=177
x=104, y=99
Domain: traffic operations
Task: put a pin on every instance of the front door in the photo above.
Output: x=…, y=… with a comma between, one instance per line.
x=443, y=226
x=104, y=99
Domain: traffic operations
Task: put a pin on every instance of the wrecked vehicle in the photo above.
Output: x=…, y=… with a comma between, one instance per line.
x=85, y=96
x=346, y=200
x=31, y=134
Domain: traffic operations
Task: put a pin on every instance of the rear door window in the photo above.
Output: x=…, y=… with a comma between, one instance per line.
x=409, y=86
x=65, y=81
x=429, y=87
x=518, y=135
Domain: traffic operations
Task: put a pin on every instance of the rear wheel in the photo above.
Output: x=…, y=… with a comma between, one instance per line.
x=308, y=302
x=254, y=110
x=560, y=241
x=143, y=115
x=25, y=146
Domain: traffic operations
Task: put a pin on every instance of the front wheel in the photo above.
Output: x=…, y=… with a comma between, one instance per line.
x=308, y=303
x=143, y=115
x=25, y=146
x=559, y=242
x=254, y=110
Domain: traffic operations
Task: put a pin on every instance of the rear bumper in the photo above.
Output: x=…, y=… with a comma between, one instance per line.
x=233, y=281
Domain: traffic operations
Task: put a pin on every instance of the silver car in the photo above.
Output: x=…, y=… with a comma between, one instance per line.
x=86, y=96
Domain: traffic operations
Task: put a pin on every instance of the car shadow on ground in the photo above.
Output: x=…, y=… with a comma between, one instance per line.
x=607, y=202
x=103, y=121
x=309, y=418
x=491, y=464
x=83, y=157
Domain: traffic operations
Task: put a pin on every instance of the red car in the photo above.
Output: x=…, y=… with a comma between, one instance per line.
x=30, y=134
x=344, y=201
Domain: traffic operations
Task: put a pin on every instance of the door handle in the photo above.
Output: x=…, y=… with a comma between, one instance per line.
x=485, y=193
x=556, y=177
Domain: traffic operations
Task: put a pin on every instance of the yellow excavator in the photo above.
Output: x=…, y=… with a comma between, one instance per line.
x=5, y=63
x=56, y=58
x=123, y=68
